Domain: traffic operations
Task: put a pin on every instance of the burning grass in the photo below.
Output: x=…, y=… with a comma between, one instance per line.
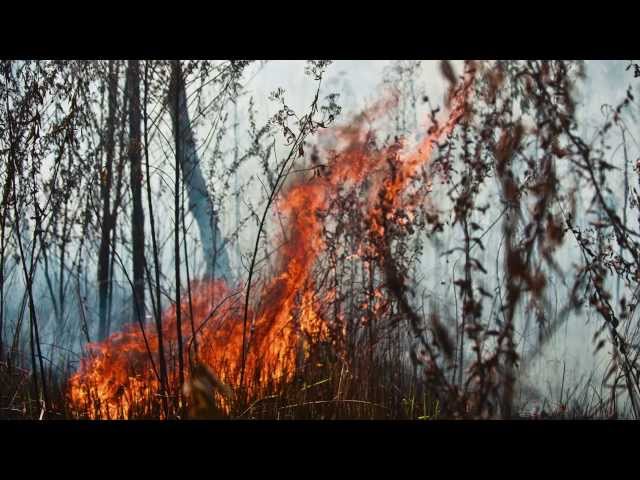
x=332, y=327
x=118, y=378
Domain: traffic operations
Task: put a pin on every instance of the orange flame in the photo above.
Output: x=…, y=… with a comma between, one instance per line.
x=116, y=378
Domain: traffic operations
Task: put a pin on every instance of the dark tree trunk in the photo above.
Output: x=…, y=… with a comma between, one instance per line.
x=106, y=179
x=176, y=121
x=135, y=168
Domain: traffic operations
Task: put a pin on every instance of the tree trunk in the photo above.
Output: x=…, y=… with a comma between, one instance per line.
x=135, y=168
x=106, y=178
x=200, y=202
x=176, y=121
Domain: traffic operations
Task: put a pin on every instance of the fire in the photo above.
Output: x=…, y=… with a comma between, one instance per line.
x=116, y=378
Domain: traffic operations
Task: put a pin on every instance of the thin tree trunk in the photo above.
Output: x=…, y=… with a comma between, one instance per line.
x=64, y=240
x=135, y=168
x=34, y=337
x=106, y=178
x=34, y=334
x=177, y=128
x=186, y=266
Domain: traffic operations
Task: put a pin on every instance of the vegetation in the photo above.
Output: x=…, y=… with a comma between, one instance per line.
x=161, y=258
